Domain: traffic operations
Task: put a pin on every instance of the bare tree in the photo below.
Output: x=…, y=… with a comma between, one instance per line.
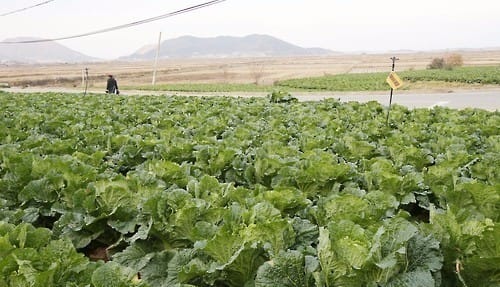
x=257, y=72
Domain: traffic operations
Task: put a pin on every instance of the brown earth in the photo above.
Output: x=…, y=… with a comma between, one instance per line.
x=262, y=71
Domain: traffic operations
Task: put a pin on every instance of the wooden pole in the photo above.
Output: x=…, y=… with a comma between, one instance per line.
x=156, y=60
x=83, y=78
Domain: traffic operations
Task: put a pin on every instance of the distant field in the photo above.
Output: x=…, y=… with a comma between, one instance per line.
x=226, y=74
x=415, y=79
x=204, y=87
x=376, y=81
x=468, y=75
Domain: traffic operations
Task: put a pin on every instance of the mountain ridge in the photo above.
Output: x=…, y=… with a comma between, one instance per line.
x=43, y=52
x=224, y=46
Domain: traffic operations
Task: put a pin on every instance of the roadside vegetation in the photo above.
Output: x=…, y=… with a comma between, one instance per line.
x=450, y=62
x=154, y=191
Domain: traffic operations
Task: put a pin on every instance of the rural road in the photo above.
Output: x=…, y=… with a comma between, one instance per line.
x=482, y=99
x=488, y=99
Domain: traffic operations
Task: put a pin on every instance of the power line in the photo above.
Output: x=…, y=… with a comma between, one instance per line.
x=128, y=25
x=26, y=8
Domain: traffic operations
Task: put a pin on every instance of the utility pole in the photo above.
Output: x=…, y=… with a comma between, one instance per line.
x=83, y=78
x=394, y=59
x=156, y=60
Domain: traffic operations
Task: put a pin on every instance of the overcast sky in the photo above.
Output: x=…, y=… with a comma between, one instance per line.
x=340, y=25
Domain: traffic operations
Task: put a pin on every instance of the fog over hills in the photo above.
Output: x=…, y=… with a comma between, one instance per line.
x=182, y=47
x=45, y=52
x=225, y=46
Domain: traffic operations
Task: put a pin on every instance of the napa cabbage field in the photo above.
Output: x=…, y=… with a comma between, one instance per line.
x=165, y=191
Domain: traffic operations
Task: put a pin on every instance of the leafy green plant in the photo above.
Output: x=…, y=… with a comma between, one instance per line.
x=281, y=97
x=30, y=257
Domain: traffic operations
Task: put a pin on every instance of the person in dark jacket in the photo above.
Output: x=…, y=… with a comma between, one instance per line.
x=112, y=86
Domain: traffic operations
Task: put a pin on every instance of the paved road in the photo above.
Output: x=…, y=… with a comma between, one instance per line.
x=483, y=99
x=488, y=99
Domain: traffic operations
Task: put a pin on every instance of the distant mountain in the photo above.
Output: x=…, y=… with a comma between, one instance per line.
x=45, y=52
x=225, y=46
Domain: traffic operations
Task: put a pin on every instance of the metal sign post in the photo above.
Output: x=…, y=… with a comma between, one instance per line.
x=394, y=59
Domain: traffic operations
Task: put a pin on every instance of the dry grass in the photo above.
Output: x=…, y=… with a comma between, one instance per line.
x=263, y=71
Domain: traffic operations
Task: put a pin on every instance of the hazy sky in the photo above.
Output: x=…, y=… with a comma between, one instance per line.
x=340, y=25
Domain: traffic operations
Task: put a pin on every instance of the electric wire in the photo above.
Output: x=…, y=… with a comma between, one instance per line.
x=25, y=8
x=119, y=27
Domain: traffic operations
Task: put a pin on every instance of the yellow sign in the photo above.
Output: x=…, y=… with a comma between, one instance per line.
x=394, y=81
